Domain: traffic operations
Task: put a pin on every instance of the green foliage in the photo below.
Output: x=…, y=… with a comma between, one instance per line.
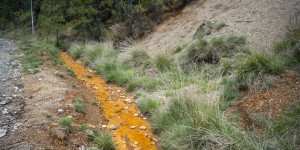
x=218, y=48
x=74, y=86
x=79, y=105
x=258, y=63
x=163, y=63
x=140, y=59
x=148, y=105
x=230, y=93
x=70, y=71
x=104, y=141
x=76, y=50
x=66, y=122
x=94, y=102
x=82, y=127
x=189, y=123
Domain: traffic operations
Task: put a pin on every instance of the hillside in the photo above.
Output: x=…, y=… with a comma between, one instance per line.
x=261, y=20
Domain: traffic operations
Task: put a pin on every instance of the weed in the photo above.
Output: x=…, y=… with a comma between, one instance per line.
x=78, y=104
x=148, y=105
x=70, y=71
x=94, y=102
x=230, y=93
x=178, y=49
x=66, y=122
x=163, y=63
x=82, y=127
x=60, y=75
x=104, y=141
x=90, y=134
x=74, y=86
x=89, y=76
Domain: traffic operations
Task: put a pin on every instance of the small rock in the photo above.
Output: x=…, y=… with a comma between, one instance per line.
x=132, y=127
x=2, y=132
x=144, y=118
x=59, y=133
x=112, y=127
x=142, y=127
x=119, y=91
x=9, y=118
x=40, y=79
x=128, y=100
x=4, y=112
x=60, y=111
x=3, y=102
x=135, y=143
x=104, y=126
x=126, y=108
x=136, y=115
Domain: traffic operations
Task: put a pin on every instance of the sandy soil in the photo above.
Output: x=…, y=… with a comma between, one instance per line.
x=262, y=22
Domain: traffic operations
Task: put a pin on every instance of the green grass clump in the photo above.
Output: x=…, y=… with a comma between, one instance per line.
x=230, y=93
x=103, y=51
x=70, y=71
x=76, y=50
x=163, y=63
x=189, y=123
x=104, y=141
x=74, y=86
x=78, y=104
x=140, y=59
x=148, y=105
x=258, y=63
x=66, y=122
x=82, y=127
x=94, y=102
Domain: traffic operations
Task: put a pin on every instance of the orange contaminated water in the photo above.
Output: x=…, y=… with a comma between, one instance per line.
x=129, y=129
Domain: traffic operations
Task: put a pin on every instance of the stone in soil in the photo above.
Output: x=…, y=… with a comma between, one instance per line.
x=59, y=133
x=2, y=132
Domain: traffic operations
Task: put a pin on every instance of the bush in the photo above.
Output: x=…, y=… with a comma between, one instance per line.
x=104, y=141
x=78, y=104
x=66, y=122
x=148, y=105
x=163, y=63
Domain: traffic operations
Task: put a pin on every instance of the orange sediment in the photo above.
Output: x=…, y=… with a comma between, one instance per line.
x=129, y=129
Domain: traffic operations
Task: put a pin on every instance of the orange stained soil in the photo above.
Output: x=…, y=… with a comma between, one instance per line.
x=124, y=119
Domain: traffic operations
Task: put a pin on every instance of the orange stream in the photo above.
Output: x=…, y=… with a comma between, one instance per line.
x=113, y=110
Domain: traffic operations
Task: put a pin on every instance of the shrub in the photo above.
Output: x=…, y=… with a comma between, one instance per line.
x=163, y=63
x=148, y=105
x=66, y=122
x=78, y=104
x=104, y=141
x=63, y=42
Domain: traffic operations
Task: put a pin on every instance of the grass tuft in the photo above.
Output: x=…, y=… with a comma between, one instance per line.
x=163, y=63
x=78, y=104
x=76, y=50
x=66, y=122
x=104, y=141
x=148, y=105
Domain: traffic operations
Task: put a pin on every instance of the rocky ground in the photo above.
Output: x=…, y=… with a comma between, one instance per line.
x=11, y=103
x=31, y=105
